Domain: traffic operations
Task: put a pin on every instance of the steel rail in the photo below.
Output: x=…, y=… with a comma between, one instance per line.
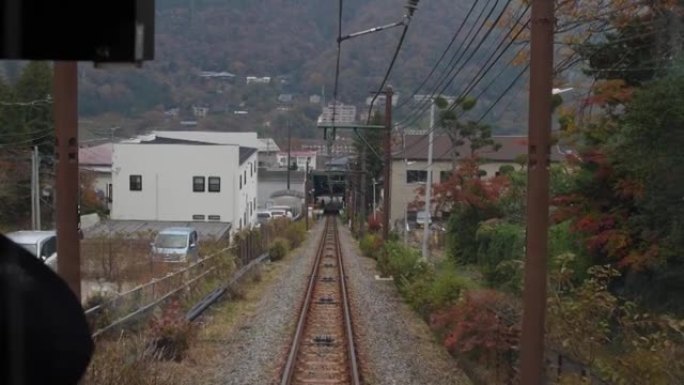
x=330, y=233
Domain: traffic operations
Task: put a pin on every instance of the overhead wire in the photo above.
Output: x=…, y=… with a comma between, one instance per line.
x=389, y=70
x=518, y=76
x=422, y=106
x=489, y=63
x=452, y=75
x=441, y=57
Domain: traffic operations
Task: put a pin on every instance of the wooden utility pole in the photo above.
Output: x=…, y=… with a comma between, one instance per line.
x=289, y=149
x=534, y=295
x=306, y=195
x=67, y=181
x=388, y=163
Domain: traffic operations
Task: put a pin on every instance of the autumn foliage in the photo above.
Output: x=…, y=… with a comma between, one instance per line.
x=481, y=326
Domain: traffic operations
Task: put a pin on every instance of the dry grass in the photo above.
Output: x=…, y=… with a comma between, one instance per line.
x=127, y=361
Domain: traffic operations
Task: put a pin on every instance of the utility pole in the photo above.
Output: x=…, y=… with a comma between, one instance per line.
x=364, y=196
x=428, y=186
x=36, y=173
x=306, y=195
x=33, y=190
x=534, y=294
x=289, y=148
x=388, y=163
x=67, y=184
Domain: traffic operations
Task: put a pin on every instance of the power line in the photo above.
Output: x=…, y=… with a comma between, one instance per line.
x=455, y=58
x=451, y=75
x=510, y=86
x=337, y=67
x=389, y=70
x=441, y=57
x=476, y=80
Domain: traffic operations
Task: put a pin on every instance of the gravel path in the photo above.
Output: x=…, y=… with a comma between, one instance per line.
x=253, y=354
x=396, y=347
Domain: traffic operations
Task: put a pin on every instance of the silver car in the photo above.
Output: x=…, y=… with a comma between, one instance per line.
x=42, y=244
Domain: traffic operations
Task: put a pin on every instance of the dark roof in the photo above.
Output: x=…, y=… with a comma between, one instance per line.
x=415, y=147
x=163, y=140
x=245, y=153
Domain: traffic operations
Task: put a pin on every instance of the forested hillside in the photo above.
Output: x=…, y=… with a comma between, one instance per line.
x=293, y=42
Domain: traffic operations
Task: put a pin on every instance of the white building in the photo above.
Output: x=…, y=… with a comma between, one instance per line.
x=344, y=113
x=299, y=158
x=167, y=179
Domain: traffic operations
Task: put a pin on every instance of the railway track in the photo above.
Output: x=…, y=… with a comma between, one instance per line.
x=322, y=350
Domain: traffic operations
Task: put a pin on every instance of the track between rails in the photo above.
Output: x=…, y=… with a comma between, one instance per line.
x=322, y=350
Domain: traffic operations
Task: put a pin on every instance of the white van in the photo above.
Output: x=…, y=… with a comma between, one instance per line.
x=176, y=244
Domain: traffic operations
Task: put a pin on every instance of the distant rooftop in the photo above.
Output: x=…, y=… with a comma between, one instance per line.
x=100, y=155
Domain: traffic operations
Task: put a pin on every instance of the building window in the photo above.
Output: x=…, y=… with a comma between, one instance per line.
x=251, y=170
x=214, y=184
x=240, y=228
x=110, y=192
x=198, y=184
x=198, y=217
x=240, y=181
x=445, y=176
x=135, y=182
x=416, y=176
x=245, y=176
x=214, y=217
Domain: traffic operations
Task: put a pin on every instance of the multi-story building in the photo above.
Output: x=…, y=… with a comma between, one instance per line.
x=166, y=179
x=344, y=113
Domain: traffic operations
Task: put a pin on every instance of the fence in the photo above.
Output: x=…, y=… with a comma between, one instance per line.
x=190, y=283
x=132, y=304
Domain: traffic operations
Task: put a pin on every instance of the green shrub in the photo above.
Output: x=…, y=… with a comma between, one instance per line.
x=447, y=286
x=398, y=261
x=500, y=245
x=279, y=249
x=434, y=290
x=295, y=233
x=370, y=245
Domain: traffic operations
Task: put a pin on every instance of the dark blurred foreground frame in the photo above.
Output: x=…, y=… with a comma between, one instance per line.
x=44, y=336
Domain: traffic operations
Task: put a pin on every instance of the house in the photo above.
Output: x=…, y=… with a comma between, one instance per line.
x=298, y=158
x=159, y=178
x=268, y=149
x=315, y=99
x=258, y=80
x=409, y=165
x=200, y=112
x=97, y=162
x=285, y=98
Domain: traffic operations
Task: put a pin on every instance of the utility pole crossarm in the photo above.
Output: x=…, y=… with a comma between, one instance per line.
x=374, y=29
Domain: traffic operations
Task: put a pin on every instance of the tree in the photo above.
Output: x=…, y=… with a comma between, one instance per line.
x=471, y=133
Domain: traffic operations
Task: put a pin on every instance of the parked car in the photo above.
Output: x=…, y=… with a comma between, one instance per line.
x=263, y=216
x=42, y=244
x=278, y=213
x=422, y=218
x=287, y=209
x=176, y=244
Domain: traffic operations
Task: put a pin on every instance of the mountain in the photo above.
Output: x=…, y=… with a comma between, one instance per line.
x=291, y=41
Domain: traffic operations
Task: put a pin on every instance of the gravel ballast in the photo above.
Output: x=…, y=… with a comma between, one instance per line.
x=395, y=346
x=252, y=353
